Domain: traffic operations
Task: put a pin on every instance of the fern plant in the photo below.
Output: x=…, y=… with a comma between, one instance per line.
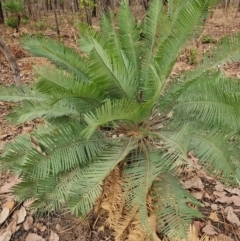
x=116, y=130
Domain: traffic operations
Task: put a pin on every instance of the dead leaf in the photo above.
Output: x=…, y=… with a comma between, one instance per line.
x=232, y=217
x=58, y=227
x=28, y=203
x=209, y=230
x=195, y=182
x=9, y=204
x=194, y=161
x=53, y=237
x=214, y=207
x=202, y=174
x=206, y=204
x=213, y=216
x=6, y=236
x=197, y=195
x=4, y=214
x=228, y=208
x=210, y=197
x=15, y=214
x=6, y=187
x=21, y=215
x=27, y=224
x=198, y=225
x=222, y=237
x=219, y=194
x=236, y=200
x=41, y=227
x=12, y=227
x=219, y=187
x=34, y=237
x=224, y=199
x=233, y=190
x=13, y=180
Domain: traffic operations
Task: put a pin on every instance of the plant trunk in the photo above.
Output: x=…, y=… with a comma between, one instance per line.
x=12, y=61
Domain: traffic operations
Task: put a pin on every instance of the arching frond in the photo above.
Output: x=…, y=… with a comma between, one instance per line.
x=128, y=34
x=30, y=111
x=108, y=113
x=14, y=94
x=176, y=144
x=226, y=51
x=172, y=206
x=83, y=200
x=14, y=153
x=213, y=149
x=68, y=151
x=59, y=54
x=59, y=85
x=180, y=32
x=109, y=74
x=152, y=28
x=207, y=101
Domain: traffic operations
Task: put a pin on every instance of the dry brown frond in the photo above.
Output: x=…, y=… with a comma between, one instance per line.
x=125, y=220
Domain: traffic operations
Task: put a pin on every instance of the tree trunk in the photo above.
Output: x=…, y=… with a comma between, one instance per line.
x=145, y=4
x=88, y=13
x=56, y=17
x=50, y=5
x=94, y=11
x=37, y=9
x=12, y=61
x=1, y=13
x=76, y=5
x=104, y=5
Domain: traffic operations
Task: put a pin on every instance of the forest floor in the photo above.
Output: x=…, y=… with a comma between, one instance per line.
x=220, y=205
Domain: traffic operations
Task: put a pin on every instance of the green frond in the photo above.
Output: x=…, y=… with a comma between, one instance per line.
x=176, y=146
x=29, y=111
x=50, y=193
x=212, y=147
x=14, y=94
x=110, y=111
x=172, y=206
x=181, y=85
x=206, y=102
x=59, y=54
x=128, y=34
x=226, y=51
x=153, y=85
x=109, y=74
x=14, y=154
x=68, y=151
x=59, y=85
x=87, y=34
x=188, y=19
x=89, y=188
x=138, y=175
x=152, y=28
x=108, y=30
x=26, y=189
